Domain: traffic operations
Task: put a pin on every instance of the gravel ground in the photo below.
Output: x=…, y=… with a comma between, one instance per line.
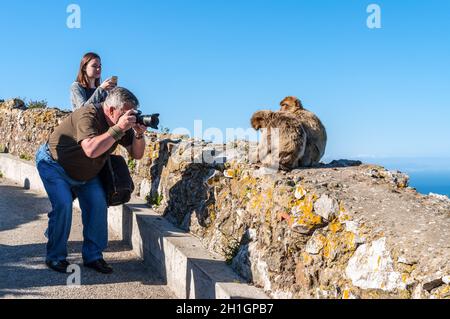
x=23, y=273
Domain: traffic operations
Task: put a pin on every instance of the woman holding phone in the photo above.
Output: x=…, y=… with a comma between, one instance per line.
x=87, y=88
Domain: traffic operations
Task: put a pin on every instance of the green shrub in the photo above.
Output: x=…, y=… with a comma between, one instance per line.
x=37, y=104
x=231, y=251
x=132, y=164
x=25, y=157
x=155, y=200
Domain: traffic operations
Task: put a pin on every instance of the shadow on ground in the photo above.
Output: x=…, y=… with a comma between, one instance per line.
x=28, y=207
x=22, y=268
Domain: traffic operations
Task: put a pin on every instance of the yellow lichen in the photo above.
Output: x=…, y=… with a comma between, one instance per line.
x=444, y=292
x=346, y=294
x=300, y=192
x=343, y=215
x=153, y=151
x=268, y=217
x=335, y=226
x=404, y=294
x=212, y=212
x=349, y=239
x=291, y=221
x=329, y=250
x=230, y=173
x=44, y=117
x=307, y=259
x=261, y=201
x=302, y=212
x=244, y=188
x=256, y=201
x=405, y=277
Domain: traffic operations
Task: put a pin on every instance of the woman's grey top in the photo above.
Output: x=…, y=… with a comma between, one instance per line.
x=81, y=96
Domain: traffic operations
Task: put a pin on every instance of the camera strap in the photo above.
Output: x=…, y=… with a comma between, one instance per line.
x=113, y=175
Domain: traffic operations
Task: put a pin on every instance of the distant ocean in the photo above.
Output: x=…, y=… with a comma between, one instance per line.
x=427, y=175
x=430, y=182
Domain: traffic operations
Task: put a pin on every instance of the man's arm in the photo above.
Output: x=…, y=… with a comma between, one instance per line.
x=137, y=148
x=96, y=146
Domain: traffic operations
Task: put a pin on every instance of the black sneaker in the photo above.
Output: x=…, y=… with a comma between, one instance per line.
x=100, y=265
x=59, y=266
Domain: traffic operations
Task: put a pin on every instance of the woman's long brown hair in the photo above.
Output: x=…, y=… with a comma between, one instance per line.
x=82, y=77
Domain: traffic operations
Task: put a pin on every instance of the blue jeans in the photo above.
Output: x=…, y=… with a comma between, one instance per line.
x=92, y=199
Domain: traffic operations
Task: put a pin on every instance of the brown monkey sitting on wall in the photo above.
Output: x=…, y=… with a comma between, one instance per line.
x=291, y=135
x=302, y=136
x=315, y=131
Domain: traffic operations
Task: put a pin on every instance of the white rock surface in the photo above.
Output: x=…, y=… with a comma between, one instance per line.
x=440, y=197
x=326, y=207
x=314, y=245
x=371, y=267
x=146, y=186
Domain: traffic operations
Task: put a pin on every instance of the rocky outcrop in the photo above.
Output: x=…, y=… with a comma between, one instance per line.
x=342, y=230
x=22, y=129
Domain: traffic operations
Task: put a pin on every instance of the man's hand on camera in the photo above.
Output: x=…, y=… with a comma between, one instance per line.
x=127, y=121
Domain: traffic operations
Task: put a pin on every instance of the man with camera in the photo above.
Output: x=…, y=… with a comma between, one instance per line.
x=69, y=165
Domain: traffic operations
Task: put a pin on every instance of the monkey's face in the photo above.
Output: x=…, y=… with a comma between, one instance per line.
x=291, y=103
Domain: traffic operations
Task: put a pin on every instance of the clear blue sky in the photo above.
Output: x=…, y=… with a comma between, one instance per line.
x=382, y=92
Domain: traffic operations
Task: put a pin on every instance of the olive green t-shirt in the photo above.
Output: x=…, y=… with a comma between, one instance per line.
x=65, y=142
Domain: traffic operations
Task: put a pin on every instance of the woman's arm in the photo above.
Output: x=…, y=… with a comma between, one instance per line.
x=79, y=97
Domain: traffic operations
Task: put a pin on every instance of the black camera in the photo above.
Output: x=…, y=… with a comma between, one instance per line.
x=151, y=121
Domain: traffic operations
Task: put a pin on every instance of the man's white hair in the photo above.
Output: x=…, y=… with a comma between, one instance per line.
x=120, y=96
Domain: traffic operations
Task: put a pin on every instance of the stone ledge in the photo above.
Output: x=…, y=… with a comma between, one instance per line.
x=188, y=269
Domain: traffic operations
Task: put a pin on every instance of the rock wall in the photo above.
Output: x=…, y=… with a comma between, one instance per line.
x=342, y=230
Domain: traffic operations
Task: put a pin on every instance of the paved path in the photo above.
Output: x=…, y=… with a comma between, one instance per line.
x=23, y=274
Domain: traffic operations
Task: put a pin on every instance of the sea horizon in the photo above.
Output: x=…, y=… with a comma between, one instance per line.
x=427, y=174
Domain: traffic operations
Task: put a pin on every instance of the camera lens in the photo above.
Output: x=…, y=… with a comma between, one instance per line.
x=147, y=120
